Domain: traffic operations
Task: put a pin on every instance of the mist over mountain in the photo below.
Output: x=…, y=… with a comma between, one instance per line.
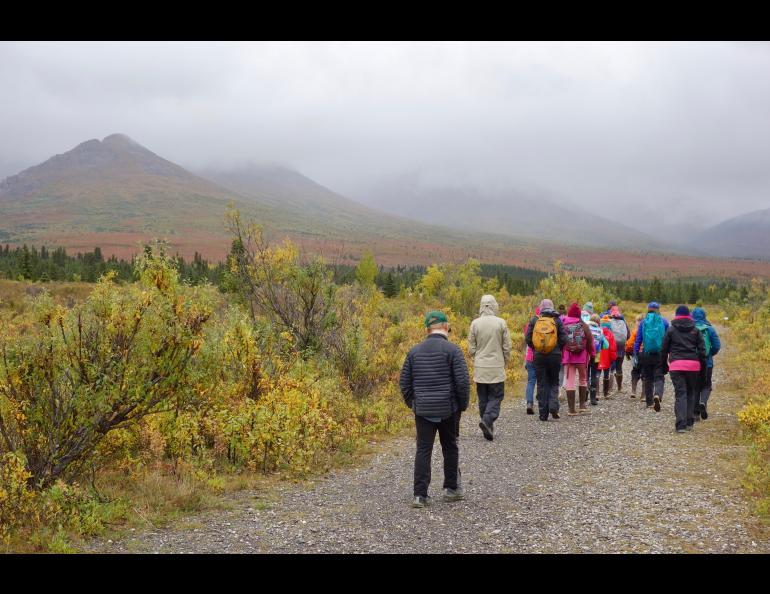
x=501, y=210
x=744, y=236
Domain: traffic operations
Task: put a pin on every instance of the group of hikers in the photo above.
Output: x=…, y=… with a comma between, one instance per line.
x=570, y=348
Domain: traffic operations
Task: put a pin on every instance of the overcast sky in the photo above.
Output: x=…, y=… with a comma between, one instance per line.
x=684, y=127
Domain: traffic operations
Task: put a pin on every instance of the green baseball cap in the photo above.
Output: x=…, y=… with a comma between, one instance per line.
x=435, y=317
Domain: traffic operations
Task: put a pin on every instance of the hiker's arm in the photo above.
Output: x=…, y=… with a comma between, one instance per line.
x=702, y=350
x=405, y=383
x=638, y=341
x=507, y=343
x=461, y=379
x=716, y=344
x=472, y=339
x=561, y=333
x=528, y=337
x=589, y=340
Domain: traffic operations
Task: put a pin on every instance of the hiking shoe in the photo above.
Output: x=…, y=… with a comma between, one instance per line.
x=420, y=501
x=530, y=410
x=689, y=428
x=454, y=494
x=633, y=395
x=594, y=402
x=486, y=430
x=703, y=413
x=680, y=431
x=656, y=403
x=554, y=414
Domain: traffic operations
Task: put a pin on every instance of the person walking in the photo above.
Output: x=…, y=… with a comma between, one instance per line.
x=683, y=353
x=546, y=337
x=578, y=350
x=620, y=331
x=607, y=356
x=600, y=343
x=529, y=365
x=489, y=343
x=649, y=340
x=435, y=384
x=713, y=346
x=636, y=372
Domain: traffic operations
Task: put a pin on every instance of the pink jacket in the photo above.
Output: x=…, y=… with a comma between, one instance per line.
x=580, y=358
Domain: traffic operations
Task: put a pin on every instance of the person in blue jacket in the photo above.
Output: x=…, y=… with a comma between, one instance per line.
x=713, y=345
x=651, y=365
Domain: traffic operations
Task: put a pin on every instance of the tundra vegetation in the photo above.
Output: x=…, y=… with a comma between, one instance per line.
x=130, y=402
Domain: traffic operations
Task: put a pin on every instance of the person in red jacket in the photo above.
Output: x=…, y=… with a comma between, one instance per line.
x=607, y=356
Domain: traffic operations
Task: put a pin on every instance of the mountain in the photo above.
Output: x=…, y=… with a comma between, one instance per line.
x=744, y=236
x=502, y=211
x=117, y=195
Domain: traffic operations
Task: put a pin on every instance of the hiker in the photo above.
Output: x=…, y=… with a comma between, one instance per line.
x=546, y=337
x=713, y=346
x=600, y=343
x=636, y=372
x=606, y=312
x=578, y=350
x=489, y=343
x=556, y=388
x=683, y=353
x=529, y=365
x=607, y=356
x=589, y=307
x=620, y=331
x=435, y=385
x=649, y=339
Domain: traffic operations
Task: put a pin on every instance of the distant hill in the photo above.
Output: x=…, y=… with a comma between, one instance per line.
x=116, y=194
x=744, y=236
x=505, y=212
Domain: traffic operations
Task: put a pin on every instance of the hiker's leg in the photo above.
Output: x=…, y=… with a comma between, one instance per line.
x=648, y=374
x=570, y=376
x=658, y=373
x=496, y=393
x=482, y=394
x=554, y=367
x=707, y=386
x=693, y=382
x=543, y=386
x=680, y=398
x=619, y=371
x=531, y=381
x=448, y=437
x=426, y=434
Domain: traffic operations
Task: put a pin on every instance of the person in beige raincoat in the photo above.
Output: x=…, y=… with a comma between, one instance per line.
x=489, y=343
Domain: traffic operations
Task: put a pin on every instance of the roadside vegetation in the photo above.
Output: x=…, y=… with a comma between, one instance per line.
x=128, y=403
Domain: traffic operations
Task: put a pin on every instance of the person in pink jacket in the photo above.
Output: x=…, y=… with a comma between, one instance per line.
x=576, y=354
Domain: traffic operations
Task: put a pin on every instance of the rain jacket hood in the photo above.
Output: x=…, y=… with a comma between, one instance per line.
x=488, y=306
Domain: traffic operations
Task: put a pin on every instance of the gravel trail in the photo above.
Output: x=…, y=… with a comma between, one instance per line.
x=617, y=480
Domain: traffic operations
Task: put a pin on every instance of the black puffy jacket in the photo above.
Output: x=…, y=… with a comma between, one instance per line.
x=434, y=379
x=683, y=341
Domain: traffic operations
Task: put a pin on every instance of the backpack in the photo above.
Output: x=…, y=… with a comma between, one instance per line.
x=654, y=330
x=704, y=330
x=576, y=338
x=544, y=335
x=619, y=330
x=598, y=335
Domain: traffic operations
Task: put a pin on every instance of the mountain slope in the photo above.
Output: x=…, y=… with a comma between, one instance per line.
x=503, y=212
x=744, y=236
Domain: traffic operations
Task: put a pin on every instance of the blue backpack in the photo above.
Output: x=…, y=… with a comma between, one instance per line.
x=654, y=330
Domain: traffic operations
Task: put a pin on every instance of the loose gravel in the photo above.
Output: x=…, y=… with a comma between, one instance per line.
x=617, y=480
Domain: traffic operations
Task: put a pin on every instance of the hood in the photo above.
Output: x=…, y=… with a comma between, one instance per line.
x=683, y=323
x=488, y=306
x=699, y=315
x=550, y=312
x=585, y=316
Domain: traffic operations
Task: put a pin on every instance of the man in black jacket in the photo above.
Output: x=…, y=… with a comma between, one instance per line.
x=436, y=386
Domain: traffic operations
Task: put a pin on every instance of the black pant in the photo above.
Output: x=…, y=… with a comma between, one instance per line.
x=705, y=386
x=426, y=435
x=652, y=374
x=547, y=369
x=490, y=398
x=686, y=384
x=593, y=379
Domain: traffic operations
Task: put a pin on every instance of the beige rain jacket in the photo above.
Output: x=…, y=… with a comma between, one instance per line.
x=489, y=343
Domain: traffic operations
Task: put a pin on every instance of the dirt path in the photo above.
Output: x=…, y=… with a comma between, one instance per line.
x=619, y=480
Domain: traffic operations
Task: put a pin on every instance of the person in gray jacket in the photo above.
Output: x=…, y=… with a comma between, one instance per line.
x=489, y=343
